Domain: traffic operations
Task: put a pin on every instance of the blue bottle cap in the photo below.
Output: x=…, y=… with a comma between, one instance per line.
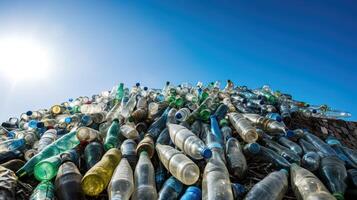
x=32, y=124
x=137, y=84
x=29, y=113
x=146, y=88
x=85, y=119
x=195, y=190
x=253, y=148
x=70, y=99
x=68, y=120
x=178, y=115
x=289, y=134
x=40, y=125
x=206, y=153
x=11, y=134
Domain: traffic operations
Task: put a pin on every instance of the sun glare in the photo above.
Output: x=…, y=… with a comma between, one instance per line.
x=23, y=59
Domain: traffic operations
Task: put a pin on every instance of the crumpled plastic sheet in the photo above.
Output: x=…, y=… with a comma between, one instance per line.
x=8, y=181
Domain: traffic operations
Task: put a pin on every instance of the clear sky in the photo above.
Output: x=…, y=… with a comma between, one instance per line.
x=308, y=49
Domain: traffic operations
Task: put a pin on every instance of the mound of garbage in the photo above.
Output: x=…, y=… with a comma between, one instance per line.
x=180, y=142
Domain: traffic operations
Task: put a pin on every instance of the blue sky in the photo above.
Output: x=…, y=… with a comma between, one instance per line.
x=307, y=49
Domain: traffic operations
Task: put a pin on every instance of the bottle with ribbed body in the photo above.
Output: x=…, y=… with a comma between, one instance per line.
x=144, y=179
x=97, y=178
x=307, y=186
x=121, y=185
x=273, y=186
x=244, y=128
x=179, y=165
x=216, y=184
x=43, y=191
x=128, y=150
x=188, y=142
x=266, y=124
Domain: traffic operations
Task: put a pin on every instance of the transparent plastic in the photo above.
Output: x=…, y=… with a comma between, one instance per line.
x=171, y=189
x=236, y=161
x=129, y=131
x=307, y=186
x=68, y=182
x=86, y=134
x=144, y=179
x=121, y=185
x=216, y=184
x=273, y=186
x=43, y=191
x=179, y=165
x=244, y=128
x=188, y=142
x=47, y=138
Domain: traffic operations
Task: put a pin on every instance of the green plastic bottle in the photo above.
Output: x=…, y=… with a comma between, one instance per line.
x=111, y=140
x=43, y=191
x=63, y=144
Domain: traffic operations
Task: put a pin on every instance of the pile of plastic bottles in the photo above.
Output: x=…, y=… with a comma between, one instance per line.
x=180, y=142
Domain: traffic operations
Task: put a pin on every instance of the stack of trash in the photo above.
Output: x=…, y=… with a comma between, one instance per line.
x=180, y=142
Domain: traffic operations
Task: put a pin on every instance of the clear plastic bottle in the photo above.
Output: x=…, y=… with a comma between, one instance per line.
x=282, y=151
x=86, y=134
x=188, y=142
x=244, y=128
x=273, y=157
x=171, y=189
x=128, y=108
x=68, y=182
x=291, y=145
x=311, y=161
x=324, y=148
x=128, y=150
x=46, y=139
x=273, y=186
x=236, y=161
x=97, y=178
x=269, y=125
x=12, y=144
x=216, y=184
x=216, y=131
x=192, y=193
x=179, y=165
x=158, y=125
x=307, y=186
x=141, y=111
x=144, y=179
x=43, y=191
x=334, y=175
x=121, y=185
x=129, y=131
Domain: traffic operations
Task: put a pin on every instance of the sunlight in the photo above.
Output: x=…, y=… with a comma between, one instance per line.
x=23, y=59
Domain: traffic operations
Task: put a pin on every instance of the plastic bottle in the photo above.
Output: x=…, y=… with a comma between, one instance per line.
x=180, y=166
x=128, y=150
x=274, y=116
x=97, y=178
x=47, y=169
x=44, y=191
x=64, y=143
x=111, y=139
x=9, y=155
x=273, y=186
x=291, y=145
x=164, y=137
x=92, y=154
x=273, y=157
x=244, y=127
x=46, y=139
x=351, y=154
x=282, y=151
x=129, y=131
x=352, y=175
x=86, y=134
x=128, y=108
x=334, y=175
x=221, y=111
x=158, y=125
x=226, y=133
x=141, y=111
x=238, y=190
x=216, y=183
x=216, y=131
x=121, y=185
x=311, y=161
x=171, y=189
x=12, y=145
x=324, y=148
x=266, y=124
x=307, y=146
x=68, y=182
x=144, y=179
x=307, y=186
x=236, y=162
x=188, y=142
x=7, y=184
x=147, y=145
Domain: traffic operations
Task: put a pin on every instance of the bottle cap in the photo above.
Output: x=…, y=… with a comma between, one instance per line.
x=178, y=115
x=195, y=190
x=29, y=113
x=206, y=153
x=68, y=120
x=289, y=134
x=253, y=148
